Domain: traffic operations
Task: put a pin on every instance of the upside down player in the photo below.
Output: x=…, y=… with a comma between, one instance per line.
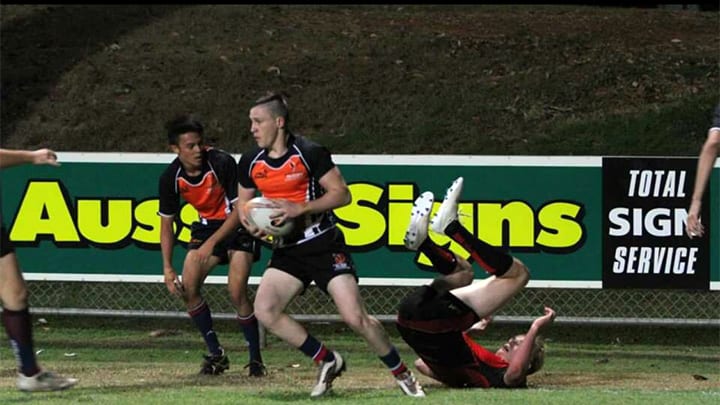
x=436, y=320
x=308, y=186
x=207, y=179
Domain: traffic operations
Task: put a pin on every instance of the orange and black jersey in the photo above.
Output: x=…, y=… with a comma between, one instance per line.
x=295, y=176
x=211, y=193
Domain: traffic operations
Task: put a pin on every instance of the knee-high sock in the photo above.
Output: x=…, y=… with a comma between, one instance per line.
x=202, y=318
x=249, y=326
x=317, y=351
x=393, y=361
x=18, y=325
x=443, y=260
x=494, y=260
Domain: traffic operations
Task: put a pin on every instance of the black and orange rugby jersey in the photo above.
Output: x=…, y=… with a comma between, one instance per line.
x=211, y=193
x=294, y=176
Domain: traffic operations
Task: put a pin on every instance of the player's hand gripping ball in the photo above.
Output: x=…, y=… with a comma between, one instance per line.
x=259, y=212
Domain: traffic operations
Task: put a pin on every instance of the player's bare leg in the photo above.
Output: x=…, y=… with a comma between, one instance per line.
x=346, y=295
x=193, y=276
x=485, y=297
x=18, y=324
x=277, y=289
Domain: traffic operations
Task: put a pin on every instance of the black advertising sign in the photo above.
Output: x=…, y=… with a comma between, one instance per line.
x=645, y=245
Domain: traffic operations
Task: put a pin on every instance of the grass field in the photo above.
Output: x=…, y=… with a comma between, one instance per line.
x=119, y=362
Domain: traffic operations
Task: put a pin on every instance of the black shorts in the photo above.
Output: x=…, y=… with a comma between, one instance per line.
x=6, y=247
x=240, y=240
x=427, y=309
x=319, y=259
x=432, y=323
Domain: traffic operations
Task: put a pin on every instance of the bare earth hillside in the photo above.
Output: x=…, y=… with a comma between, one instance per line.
x=364, y=79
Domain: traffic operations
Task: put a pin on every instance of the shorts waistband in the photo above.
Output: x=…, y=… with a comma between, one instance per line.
x=314, y=230
x=309, y=233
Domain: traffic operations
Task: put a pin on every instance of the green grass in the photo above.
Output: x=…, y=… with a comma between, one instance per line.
x=223, y=395
x=119, y=363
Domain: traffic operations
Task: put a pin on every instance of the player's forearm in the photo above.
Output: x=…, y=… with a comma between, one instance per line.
x=167, y=242
x=244, y=195
x=232, y=222
x=9, y=157
x=706, y=161
x=332, y=199
x=517, y=369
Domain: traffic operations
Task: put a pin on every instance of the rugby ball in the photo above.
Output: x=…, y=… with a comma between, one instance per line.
x=259, y=212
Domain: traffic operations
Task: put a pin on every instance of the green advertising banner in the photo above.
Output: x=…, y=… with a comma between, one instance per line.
x=95, y=217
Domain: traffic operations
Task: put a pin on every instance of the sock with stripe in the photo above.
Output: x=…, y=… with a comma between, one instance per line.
x=443, y=260
x=393, y=362
x=202, y=318
x=494, y=260
x=249, y=326
x=317, y=351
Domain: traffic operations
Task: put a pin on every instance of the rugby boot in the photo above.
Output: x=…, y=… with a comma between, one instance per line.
x=214, y=364
x=448, y=211
x=409, y=384
x=257, y=369
x=418, y=228
x=327, y=372
x=44, y=381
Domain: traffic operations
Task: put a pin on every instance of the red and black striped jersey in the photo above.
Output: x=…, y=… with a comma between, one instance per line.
x=482, y=368
x=211, y=193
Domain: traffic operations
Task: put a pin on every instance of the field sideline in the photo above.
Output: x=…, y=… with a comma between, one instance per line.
x=119, y=362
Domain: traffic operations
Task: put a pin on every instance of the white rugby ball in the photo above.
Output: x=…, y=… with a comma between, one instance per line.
x=259, y=211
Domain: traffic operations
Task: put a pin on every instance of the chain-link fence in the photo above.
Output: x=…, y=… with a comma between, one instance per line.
x=671, y=307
